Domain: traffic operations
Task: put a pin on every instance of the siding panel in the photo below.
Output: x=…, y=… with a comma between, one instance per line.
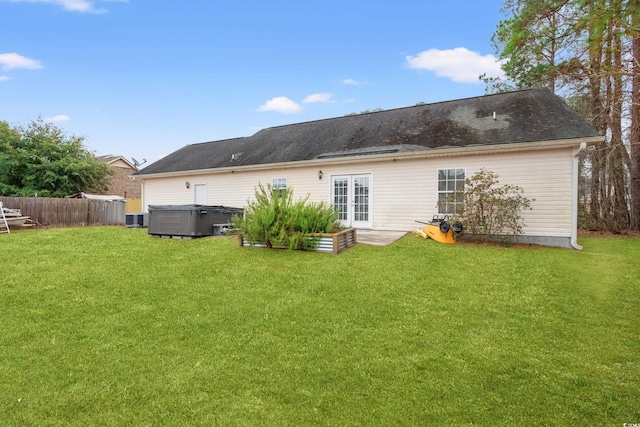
x=403, y=191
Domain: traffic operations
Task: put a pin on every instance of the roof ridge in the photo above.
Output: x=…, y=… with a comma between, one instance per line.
x=401, y=108
x=218, y=140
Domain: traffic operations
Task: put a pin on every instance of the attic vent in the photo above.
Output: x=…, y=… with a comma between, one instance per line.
x=356, y=153
x=235, y=156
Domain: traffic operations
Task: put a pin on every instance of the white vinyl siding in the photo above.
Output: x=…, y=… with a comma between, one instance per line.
x=405, y=191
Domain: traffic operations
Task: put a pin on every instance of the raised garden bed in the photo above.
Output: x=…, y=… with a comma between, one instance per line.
x=333, y=243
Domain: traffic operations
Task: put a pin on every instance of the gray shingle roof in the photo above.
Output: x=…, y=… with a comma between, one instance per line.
x=522, y=116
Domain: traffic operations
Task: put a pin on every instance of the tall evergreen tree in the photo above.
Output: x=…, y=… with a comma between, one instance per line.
x=585, y=49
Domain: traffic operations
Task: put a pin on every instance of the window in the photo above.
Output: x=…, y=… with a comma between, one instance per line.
x=450, y=181
x=279, y=185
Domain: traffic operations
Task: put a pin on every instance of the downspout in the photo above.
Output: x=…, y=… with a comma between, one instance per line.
x=574, y=202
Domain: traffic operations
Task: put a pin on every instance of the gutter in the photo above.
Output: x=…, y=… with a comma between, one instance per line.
x=574, y=205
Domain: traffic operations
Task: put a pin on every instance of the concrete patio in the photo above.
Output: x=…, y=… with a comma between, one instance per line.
x=378, y=237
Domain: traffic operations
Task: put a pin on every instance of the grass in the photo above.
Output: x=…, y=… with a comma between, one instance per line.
x=108, y=326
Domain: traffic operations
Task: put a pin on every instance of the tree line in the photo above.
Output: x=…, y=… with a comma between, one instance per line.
x=587, y=51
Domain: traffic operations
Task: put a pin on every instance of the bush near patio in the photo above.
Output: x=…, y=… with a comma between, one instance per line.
x=487, y=210
x=275, y=220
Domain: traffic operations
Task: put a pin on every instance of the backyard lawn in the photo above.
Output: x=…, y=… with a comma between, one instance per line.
x=108, y=326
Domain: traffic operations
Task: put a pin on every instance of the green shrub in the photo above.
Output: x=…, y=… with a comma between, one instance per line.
x=275, y=220
x=489, y=211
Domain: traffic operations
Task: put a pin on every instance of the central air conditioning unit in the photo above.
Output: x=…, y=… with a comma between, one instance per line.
x=137, y=220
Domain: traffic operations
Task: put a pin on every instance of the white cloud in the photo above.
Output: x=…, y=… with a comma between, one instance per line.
x=351, y=82
x=460, y=64
x=4, y=78
x=281, y=104
x=13, y=60
x=58, y=118
x=82, y=6
x=325, y=98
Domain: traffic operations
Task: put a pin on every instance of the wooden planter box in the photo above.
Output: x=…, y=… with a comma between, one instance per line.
x=333, y=243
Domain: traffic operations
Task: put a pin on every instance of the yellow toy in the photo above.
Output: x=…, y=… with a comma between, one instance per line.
x=439, y=230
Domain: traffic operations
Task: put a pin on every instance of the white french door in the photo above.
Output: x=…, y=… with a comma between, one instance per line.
x=351, y=195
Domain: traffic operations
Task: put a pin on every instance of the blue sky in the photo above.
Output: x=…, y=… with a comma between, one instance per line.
x=143, y=78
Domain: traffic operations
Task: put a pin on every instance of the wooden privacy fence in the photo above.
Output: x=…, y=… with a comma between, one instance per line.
x=52, y=212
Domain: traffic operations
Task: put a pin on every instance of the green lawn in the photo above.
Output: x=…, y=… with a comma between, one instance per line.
x=108, y=326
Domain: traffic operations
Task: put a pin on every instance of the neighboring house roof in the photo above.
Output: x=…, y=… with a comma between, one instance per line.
x=117, y=161
x=514, y=117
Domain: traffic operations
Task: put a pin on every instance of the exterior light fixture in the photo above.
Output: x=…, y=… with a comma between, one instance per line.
x=187, y=184
x=319, y=174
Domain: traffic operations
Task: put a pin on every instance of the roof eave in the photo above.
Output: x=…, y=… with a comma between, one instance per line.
x=424, y=154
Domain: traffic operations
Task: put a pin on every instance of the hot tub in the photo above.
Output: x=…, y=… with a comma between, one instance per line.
x=186, y=221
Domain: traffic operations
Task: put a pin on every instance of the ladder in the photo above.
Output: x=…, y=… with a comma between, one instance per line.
x=4, y=226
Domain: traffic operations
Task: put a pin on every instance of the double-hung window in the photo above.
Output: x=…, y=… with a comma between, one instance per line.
x=450, y=181
x=279, y=185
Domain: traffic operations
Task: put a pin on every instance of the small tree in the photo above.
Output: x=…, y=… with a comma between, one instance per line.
x=489, y=211
x=275, y=220
x=40, y=158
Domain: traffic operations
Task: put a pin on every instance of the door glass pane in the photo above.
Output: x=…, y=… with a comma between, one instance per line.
x=361, y=199
x=341, y=197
